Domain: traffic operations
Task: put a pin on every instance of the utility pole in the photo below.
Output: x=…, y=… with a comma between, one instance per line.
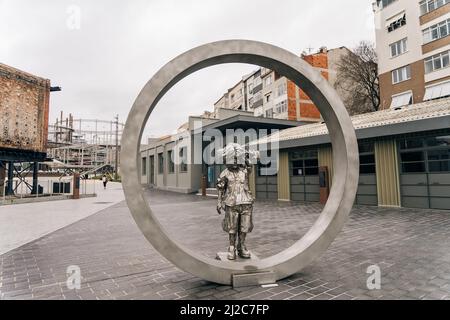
x=116, y=176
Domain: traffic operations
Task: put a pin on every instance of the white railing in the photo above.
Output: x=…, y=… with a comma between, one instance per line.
x=48, y=188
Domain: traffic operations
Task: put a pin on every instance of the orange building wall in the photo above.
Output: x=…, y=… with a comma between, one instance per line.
x=292, y=100
x=307, y=107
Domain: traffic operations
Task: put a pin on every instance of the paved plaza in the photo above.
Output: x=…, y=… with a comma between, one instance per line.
x=23, y=223
x=410, y=246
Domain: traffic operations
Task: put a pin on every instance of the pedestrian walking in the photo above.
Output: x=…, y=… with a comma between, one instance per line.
x=105, y=181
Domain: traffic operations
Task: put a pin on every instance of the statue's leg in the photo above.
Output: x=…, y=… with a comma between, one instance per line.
x=232, y=248
x=232, y=232
x=244, y=228
x=243, y=252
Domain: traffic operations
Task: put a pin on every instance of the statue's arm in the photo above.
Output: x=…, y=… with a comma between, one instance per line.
x=221, y=187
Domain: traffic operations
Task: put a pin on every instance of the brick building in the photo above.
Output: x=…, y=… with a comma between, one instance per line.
x=24, y=110
x=267, y=94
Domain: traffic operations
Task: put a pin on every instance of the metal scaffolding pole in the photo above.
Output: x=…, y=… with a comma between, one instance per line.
x=34, y=189
x=117, y=149
x=9, y=185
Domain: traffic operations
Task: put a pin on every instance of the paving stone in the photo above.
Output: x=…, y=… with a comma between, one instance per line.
x=409, y=245
x=302, y=296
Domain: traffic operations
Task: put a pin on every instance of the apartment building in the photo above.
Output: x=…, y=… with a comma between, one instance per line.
x=413, y=44
x=267, y=94
x=242, y=94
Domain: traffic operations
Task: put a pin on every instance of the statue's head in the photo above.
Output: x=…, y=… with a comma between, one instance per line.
x=237, y=156
x=234, y=156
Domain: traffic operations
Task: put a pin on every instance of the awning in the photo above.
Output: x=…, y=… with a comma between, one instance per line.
x=395, y=18
x=437, y=91
x=401, y=100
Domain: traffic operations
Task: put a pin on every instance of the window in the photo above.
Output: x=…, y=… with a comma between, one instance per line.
x=250, y=88
x=281, y=107
x=256, y=81
x=268, y=81
x=397, y=23
x=431, y=5
x=144, y=166
x=171, y=161
x=403, y=99
x=412, y=161
x=269, y=113
x=384, y=3
x=304, y=163
x=183, y=162
x=412, y=143
x=398, y=48
x=401, y=74
x=436, y=62
x=436, y=31
x=161, y=163
x=282, y=89
x=268, y=98
x=437, y=91
x=411, y=157
x=439, y=160
x=367, y=158
x=420, y=155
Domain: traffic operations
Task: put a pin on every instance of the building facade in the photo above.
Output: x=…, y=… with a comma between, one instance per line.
x=413, y=45
x=177, y=162
x=24, y=112
x=269, y=95
x=404, y=159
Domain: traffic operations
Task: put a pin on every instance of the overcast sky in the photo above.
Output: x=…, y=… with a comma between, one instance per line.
x=103, y=61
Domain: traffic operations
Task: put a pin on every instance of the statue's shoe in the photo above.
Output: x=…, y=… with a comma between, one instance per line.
x=231, y=253
x=244, y=253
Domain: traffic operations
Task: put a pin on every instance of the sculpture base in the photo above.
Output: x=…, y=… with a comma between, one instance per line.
x=248, y=279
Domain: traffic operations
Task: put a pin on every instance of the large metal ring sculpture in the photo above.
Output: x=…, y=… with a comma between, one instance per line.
x=345, y=159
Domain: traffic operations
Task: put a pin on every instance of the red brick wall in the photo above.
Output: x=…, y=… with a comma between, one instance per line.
x=24, y=110
x=292, y=100
x=307, y=108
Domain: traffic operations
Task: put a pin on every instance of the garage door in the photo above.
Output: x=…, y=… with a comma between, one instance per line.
x=266, y=185
x=367, y=190
x=304, y=180
x=425, y=172
x=367, y=185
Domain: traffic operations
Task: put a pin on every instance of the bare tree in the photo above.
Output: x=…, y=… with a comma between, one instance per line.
x=357, y=79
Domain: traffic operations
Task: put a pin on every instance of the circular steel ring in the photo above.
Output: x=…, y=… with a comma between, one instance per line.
x=342, y=135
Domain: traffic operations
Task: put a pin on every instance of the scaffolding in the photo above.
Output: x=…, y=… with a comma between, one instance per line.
x=85, y=145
